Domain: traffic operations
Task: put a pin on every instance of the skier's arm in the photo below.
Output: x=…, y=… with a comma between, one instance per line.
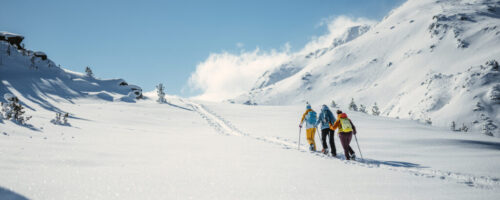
x=336, y=124
x=353, y=127
x=303, y=117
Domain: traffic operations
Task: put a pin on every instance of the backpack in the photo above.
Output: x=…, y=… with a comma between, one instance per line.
x=311, y=117
x=345, y=125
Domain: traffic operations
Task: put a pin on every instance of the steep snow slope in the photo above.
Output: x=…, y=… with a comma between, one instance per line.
x=426, y=60
x=33, y=77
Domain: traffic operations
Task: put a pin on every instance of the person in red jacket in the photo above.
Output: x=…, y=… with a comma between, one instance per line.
x=346, y=129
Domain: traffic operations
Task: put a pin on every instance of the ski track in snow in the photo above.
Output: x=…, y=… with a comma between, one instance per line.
x=225, y=127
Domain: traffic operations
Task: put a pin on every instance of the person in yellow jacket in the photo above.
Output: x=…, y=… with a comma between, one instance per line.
x=310, y=118
x=346, y=129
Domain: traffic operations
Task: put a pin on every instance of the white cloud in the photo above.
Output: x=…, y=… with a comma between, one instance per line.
x=240, y=45
x=225, y=75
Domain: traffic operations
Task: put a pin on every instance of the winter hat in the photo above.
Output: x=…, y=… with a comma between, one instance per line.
x=339, y=112
x=308, y=106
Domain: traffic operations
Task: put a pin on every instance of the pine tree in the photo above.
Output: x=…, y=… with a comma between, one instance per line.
x=334, y=105
x=353, y=106
x=60, y=118
x=453, y=126
x=89, y=72
x=375, y=109
x=362, y=108
x=13, y=110
x=464, y=128
x=488, y=127
x=160, y=90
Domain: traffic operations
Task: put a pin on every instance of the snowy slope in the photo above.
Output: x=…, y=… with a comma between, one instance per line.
x=33, y=78
x=426, y=60
x=198, y=150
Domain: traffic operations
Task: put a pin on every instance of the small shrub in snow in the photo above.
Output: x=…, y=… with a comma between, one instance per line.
x=13, y=110
x=375, y=109
x=362, y=108
x=428, y=121
x=32, y=63
x=60, y=119
x=493, y=64
x=160, y=91
x=334, y=105
x=89, y=72
x=353, y=106
x=478, y=107
x=464, y=128
x=453, y=126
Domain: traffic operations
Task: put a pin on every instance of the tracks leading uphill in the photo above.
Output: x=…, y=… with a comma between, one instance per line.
x=225, y=127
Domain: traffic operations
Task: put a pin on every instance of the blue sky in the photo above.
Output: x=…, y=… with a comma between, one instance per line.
x=148, y=42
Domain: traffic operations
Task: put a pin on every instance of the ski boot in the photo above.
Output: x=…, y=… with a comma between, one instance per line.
x=324, y=151
x=311, y=147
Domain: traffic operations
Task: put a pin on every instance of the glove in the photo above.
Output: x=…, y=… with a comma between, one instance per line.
x=300, y=126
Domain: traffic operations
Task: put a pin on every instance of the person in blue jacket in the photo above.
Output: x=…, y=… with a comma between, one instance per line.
x=326, y=118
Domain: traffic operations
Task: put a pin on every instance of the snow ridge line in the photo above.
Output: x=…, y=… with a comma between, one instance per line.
x=225, y=127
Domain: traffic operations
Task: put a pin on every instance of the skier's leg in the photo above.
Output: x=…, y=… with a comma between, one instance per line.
x=331, y=135
x=310, y=136
x=324, y=133
x=349, y=138
x=345, y=145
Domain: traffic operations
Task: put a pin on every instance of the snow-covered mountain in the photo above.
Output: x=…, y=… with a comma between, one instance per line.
x=32, y=76
x=428, y=60
x=300, y=60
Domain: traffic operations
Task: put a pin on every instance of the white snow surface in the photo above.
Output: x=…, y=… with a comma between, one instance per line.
x=199, y=150
x=425, y=60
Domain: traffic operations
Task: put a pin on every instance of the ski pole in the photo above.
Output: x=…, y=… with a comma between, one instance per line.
x=319, y=134
x=300, y=130
x=358, y=146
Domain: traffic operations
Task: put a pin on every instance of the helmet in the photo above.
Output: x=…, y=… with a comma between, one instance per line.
x=308, y=106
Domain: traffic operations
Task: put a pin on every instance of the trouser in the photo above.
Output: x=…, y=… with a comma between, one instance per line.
x=330, y=133
x=345, y=139
x=310, y=136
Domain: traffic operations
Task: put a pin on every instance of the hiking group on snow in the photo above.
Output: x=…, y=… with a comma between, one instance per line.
x=328, y=125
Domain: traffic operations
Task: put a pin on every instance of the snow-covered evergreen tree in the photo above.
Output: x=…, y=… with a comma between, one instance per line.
x=453, y=126
x=478, y=107
x=488, y=127
x=89, y=72
x=353, y=106
x=13, y=110
x=375, y=109
x=160, y=90
x=8, y=50
x=464, y=128
x=334, y=105
x=61, y=119
x=362, y=108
